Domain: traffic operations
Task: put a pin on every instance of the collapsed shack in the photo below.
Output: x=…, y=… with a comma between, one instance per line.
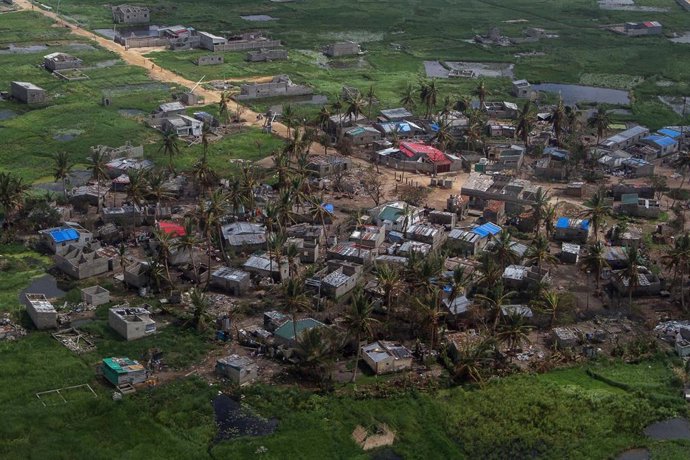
x=375, y=436
x=75, y=340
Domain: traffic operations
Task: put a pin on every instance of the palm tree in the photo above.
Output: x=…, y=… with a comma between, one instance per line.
x=490, y=272
x=471, y=358
x=203, y=174
x=428, y=94
x=295, y=300
x=61, y=169
x=502, y=249
x=337, y=107
x=539, y=204
x=289, y=117
x=324, y=117
x=205, y=132
x=314, y=347
x=595, y=260
x=318, y=211
x=249, y=180
x=678, y=259
x=371, y=99
x=223, y=112
x=201, y=304
x=558, y=120
x=157, y=188
x=481, y=92
x=513, y=331
x=428, y=308
x=461, y=280
x=165, y=245
x=12, y=193
x=359, y=323
x=390, y=282
x=98, y=159
x=549, y=218
x=136, y=189
x=355, y=106
x=631, y=272
x=213, y=215
x=169, y=147
x=292, y=255
x=187, y=243
x=539, y=252
x=550, y=302
x=476, y=122
x=444, y=136
x=494, y=302
x=407, y=97
x=599, y=208
x=525, y=122
x=601, y=122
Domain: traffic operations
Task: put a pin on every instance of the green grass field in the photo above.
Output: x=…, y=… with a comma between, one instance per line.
x=433, y=30
x=32, y=135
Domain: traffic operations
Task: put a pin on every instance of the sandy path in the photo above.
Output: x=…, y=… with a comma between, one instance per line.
x=155, y=72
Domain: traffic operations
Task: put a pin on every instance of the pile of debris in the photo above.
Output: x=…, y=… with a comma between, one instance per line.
x=529, y=353
x=10, y=330
x=74, y=340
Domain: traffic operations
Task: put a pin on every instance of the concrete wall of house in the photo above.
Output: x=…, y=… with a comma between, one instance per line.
x=267, y=55
x=277, y=89
x=87, y=269
x=28, y=95
x=95, y=297
x=129, y=330
x=42, y=320
x=212, y=59
x=401, y=165
x=247, y=45
x=141, y=42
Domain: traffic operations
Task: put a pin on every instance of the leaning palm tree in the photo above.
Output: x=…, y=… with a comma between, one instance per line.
x=407, y=98
x=157, y=188
x=223, y=111
x=549, y=218
x=315, y=348
x=429, y=97
x=204, y=175
x=169, y=147
x=525, y=122
x=359, y=323
x=324, y=117
x=595, y=261
x=444, y=136
x=428, y=307
x=213, y=213
x=289, y=117
x=472, y=357
x=61, y=169
x=598, y=208
x=99, y=160
x=600, y=121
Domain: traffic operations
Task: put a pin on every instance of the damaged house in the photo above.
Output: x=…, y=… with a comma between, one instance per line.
x=60, y=239
x=244, y=236
x=384, y=357
x=231, y=280
x=131, y=322
x=240, y=370
x=83, y=262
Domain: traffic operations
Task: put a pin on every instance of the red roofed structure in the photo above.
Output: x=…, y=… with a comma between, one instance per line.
x=427, y=153
x=171, y=228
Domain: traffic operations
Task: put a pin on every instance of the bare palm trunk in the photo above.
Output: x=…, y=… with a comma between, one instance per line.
x=358, y=356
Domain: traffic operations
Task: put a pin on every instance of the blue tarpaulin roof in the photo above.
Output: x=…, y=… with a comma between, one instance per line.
x=435, y=127
x=328, y=207
x=662, y=141
x=567, y=222
x=670, y=133
x=487, y=229
x=64, y=234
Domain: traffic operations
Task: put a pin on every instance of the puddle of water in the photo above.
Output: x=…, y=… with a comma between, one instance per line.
x=634, y=454
x=234, y=421
x=7, y=114
x=127, y=89
x=131, y=112
x=108, y=63
x=572, y=94
x=676, y=103
x=46, y=285
x=65, y=136
x=12, y=49
x=671, y=429
x=685, y=38
x=81, y=47
x=259, y=18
